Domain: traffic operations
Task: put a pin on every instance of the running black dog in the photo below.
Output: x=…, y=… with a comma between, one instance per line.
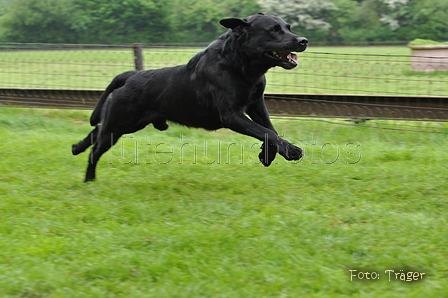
x=215, y=89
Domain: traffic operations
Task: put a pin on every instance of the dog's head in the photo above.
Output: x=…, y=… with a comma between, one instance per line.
x=267, y=39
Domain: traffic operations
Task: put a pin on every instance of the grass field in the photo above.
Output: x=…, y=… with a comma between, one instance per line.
x=325, y=70
x=188, y=213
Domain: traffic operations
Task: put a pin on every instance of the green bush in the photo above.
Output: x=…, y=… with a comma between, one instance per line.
x=425, y=42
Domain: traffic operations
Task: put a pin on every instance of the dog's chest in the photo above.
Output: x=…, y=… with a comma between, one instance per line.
x=254, y=92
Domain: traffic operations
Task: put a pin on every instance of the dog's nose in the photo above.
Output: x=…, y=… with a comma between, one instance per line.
x=302, y=41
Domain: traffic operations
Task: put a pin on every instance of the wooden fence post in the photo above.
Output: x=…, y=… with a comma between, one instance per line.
x=138, y=55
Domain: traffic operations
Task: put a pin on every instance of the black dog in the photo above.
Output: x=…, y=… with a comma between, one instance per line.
x=215, y=89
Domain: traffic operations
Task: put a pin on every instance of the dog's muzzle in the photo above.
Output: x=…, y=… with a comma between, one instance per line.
x=285, y=57
x=302, y=42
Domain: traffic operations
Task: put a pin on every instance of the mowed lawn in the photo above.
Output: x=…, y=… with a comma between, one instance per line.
x=322, y=70
x=189, y=213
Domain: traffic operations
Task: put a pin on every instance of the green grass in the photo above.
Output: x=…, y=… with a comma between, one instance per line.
x=182, y=224
x=325, y=70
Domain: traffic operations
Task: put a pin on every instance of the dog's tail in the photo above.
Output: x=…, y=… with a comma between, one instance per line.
x=116, y=83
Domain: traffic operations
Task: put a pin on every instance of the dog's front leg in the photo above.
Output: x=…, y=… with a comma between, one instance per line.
x=240, y=123
x=259, y=114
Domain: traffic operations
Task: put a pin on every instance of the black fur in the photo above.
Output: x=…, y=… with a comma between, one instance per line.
x=215, y=89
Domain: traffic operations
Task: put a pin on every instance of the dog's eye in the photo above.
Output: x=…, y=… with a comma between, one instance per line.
x=288, y=27
x=275, y=29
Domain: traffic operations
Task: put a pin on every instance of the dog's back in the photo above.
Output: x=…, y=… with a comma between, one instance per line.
x=116, y=83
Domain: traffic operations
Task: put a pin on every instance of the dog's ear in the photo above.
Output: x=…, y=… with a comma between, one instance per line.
x=234, y=23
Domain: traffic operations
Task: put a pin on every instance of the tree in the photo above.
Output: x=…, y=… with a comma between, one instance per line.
x=195, y=20
x=148, y=21
x=40, y=21
x=5, y=6
x=303, y=15
x=198, y=20
x=358, y=21
x=396, y=10
x=121, y=21
x=240, y=8
x=385, y=21
x=86, y=21
x=424, y=19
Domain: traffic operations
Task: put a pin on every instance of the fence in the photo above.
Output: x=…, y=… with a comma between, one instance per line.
x=336, y=84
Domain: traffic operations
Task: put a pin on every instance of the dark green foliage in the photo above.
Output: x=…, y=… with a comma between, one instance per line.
x=118, y=21
x=150, y=21
x=198, y=20
x=81, y=21
x=40, y=21
x=376, y=22
x=426, y=19
x=195, y=20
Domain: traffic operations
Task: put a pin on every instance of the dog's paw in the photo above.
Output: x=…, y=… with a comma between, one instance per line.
x=75, y=149
x=267, y=154
x=293, y=153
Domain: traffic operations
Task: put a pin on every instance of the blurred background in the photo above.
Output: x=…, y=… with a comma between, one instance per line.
x=327, y=22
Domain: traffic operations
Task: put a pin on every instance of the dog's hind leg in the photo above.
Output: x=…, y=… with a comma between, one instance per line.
x=86, y=143
x=116, y=83
x=107, y=134
x=103, y=143
x=157, y=119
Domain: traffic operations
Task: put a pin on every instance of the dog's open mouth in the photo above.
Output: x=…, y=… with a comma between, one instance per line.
x=284, y=56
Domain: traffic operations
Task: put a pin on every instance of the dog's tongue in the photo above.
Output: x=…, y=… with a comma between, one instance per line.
x=293, y=57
